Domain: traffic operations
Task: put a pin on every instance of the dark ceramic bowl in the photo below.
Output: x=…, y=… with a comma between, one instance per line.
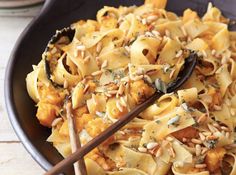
x=57, y=14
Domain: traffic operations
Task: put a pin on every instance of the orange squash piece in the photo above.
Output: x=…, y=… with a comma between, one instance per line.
x=213, y=158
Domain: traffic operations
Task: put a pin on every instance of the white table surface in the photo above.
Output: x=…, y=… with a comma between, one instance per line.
x=14, y=159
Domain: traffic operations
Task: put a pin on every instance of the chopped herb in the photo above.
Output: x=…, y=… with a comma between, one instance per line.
x=174, y=120
x=186, y=107
x=211, y=144
x=109, y=70
x=113, y=146
x=200, y=160
x=158, y=121
x=166, y=68
x=160, y=85
x=145, y=145
x=100, y=114
x=196, y=124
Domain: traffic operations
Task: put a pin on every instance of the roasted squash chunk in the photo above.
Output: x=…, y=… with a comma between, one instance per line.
x=187, y=133
x=213, y=158
x=140, y=91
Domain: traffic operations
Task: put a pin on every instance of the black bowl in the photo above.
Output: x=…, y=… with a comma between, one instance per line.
x=32, y=42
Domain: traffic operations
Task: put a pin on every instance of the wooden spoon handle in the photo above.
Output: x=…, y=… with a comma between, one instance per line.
x=79, y=167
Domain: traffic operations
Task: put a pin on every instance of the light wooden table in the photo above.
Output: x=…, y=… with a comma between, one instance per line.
x=14, y=159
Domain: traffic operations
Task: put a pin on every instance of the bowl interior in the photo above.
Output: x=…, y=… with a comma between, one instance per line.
x=28, y=51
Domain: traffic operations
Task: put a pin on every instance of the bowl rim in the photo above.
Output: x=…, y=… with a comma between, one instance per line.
x=13, y=4
x=8, y=95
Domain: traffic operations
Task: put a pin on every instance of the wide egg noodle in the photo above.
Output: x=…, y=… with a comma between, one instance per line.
x=194, y=80
x=187, y=170
x=132, y=26
x=141, y=45
x=182, y=154
x=168, y=53
x=116, y=58
x=164, y=105
x=194, y=28
x=60, y=74
x=83, y=68
x=133, y=159
x=223, y=78
x=174, y=27
x=33, y=78
x=188, y=95
x=159, y=129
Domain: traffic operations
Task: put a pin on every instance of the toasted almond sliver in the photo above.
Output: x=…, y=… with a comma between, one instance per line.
x=56, y=121
x=172, y=73
x=159, y=152
x=184, y=31
x=202, y=118
x=172, y=152
x=86, y=59
x=200, y=166
x=204, y=150
x=212, y=128
x=82, y=54
x=170, y=139
x=232, y=111
x=206, y=133
x=198, y=150
x=167, y=33
x=148, y=79
x=94, y=99
x=104, y=64
x=144, y=21
x=136, y=78
x=65, y=84
x=119, y=106
x=217, y=108
x=125, y=79
x=99, y=72
x=140, y=71
x=142, y=149
x=112, y=92
x=213, y=52
x=151, y=18
x=121, y=89
x=99, y=47
x=227, y=134
x=86, y=88
x=197, y=141
x=211, y=137
x=179, y=53
x=127, y=48
x=107, y=94
x=156, y=33
x=202, y=137
x=224, y=128
x=204, y=53
x=152, y=145
x=80, y=47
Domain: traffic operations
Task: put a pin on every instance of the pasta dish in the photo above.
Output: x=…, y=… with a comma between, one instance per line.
x=116, y=62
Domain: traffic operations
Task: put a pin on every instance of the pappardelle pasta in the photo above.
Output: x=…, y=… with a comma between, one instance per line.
x=112, y=64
